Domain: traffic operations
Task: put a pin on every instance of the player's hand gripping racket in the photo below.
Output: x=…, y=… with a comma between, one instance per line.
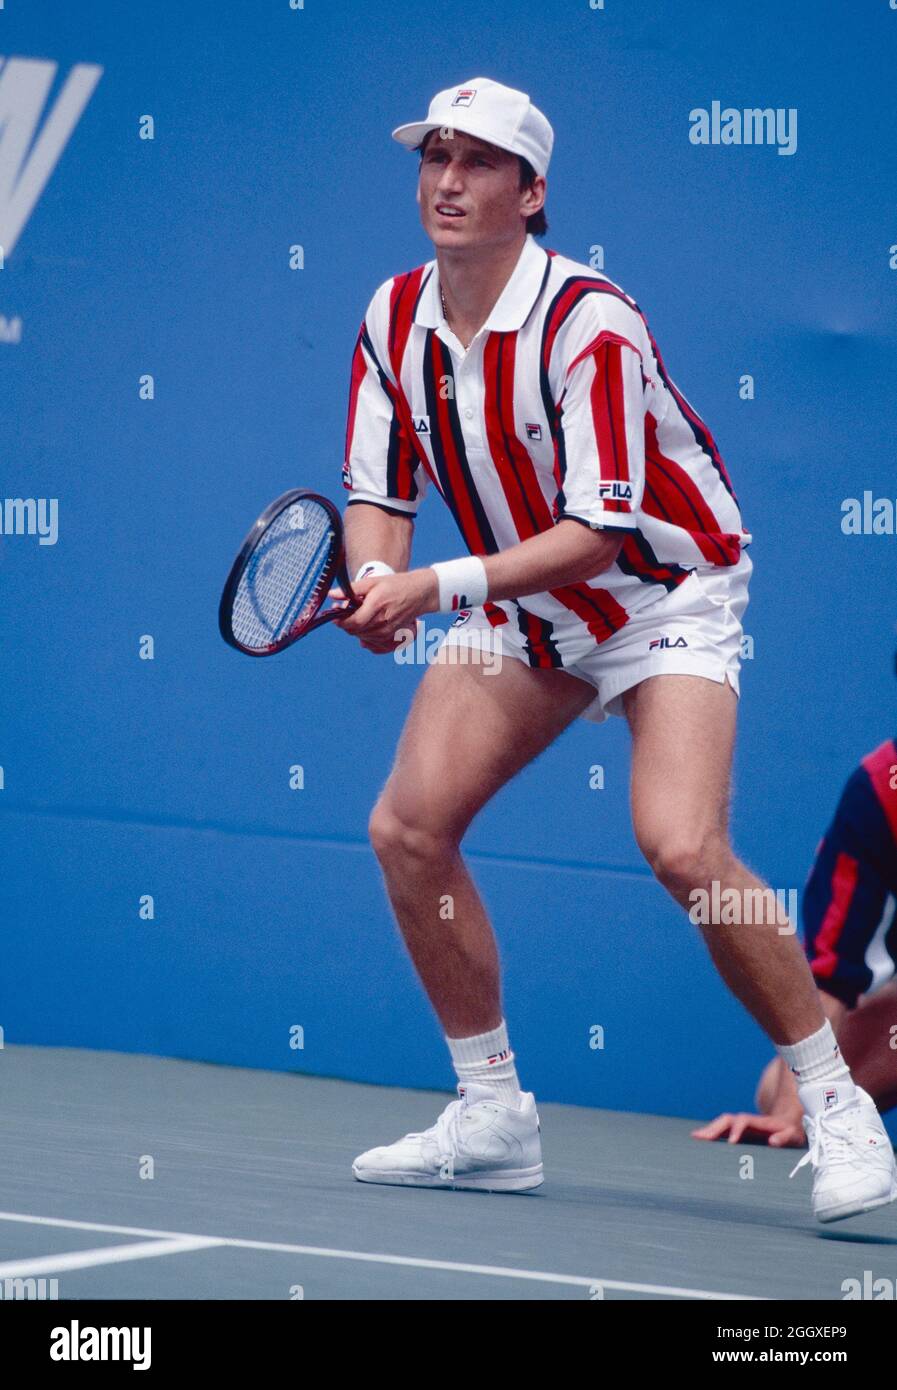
x=281, y=578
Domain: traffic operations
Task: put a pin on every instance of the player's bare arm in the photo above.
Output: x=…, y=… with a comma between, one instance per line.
x=392, y=602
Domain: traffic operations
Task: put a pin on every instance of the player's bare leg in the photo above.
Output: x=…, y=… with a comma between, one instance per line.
x=683, y=733
x=467, y=734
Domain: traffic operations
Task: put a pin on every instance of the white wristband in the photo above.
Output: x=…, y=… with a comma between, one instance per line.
x=372, y=567
x=462, y=583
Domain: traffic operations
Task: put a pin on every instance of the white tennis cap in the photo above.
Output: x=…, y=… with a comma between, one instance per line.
x=486, y=109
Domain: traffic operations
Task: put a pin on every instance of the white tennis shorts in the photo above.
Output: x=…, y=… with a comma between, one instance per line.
x=694, y=631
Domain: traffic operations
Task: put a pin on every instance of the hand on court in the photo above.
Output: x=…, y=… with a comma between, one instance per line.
x=391, y=604
x=782, y=1131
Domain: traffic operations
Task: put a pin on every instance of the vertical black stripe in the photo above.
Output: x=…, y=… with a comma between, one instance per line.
x=545, y=637
x=431, y=371
x=395, y=427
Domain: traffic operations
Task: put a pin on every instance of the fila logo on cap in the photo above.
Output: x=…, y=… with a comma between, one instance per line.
x=464, y=96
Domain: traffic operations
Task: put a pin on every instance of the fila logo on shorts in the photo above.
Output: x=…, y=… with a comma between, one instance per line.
x=665, y=644
x=463, y=617
x=560, y=407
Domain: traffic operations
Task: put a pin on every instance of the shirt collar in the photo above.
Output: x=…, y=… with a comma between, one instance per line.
x=513, y=306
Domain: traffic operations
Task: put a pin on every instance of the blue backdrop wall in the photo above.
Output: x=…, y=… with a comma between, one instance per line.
x=171, y=257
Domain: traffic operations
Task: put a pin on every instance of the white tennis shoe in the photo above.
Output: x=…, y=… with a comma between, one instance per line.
x=476, y=1143
x=853, y=1161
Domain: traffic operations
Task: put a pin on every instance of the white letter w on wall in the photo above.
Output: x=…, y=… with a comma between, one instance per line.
x=26, y=162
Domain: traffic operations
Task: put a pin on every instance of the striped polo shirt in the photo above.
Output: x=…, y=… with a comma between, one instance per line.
x=850, y=922
x=560, y=407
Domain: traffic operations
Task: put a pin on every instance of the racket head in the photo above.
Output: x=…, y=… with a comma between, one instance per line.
x=281, y=577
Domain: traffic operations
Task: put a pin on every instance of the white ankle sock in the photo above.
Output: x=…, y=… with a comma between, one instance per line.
x=487, y=1060
x=822, y=1075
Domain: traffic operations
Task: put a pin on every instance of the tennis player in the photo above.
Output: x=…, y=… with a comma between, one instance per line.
x=604, y=549
x=850, y=935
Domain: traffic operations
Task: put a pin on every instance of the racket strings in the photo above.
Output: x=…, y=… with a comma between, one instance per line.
x=286, y=577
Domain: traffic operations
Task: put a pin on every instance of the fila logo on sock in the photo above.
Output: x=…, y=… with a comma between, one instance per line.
x=829, y=1097
x=499, y=1057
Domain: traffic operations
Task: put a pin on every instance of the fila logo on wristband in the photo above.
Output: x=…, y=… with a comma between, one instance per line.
x=462, y=583
x=373, y=567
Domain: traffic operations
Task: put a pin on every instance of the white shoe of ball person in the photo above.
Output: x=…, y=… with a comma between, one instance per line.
x=477, y=1142
x=853, y=1161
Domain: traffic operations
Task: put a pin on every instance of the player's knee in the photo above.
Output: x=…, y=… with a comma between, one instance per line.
x=397, y=841
x=683, y=860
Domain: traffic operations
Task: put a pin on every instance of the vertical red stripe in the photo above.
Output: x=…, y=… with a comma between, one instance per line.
x=673, y=496
x=537, y=643
x=529, y=510
x=609, y=421
x=402, y=299
x=597, y=608
x=844, y=882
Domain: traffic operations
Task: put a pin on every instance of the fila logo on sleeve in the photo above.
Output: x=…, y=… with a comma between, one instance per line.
x=620, y=492
x=665, y=644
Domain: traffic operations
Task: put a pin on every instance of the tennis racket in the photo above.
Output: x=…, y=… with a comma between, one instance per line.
x=281, y=578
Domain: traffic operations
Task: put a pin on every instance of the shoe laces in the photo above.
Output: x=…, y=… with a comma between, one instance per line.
x=444, y=1132
x=834, y=1137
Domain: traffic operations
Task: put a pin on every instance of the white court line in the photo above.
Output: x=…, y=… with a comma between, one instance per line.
x=105, y=1255
x=410, y=1261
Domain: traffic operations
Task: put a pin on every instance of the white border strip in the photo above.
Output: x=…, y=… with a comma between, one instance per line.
x=179, y=1240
